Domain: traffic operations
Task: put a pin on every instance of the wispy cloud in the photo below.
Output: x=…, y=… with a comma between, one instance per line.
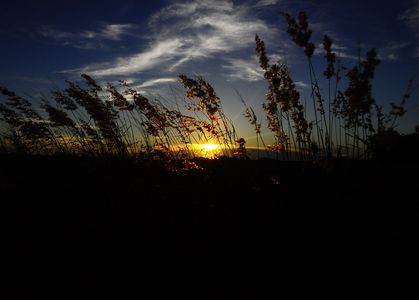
x=198, y=30
x=266, y=3
x=391, y=51
x=275, y=58
x=144, y=86
x=116, y=31
x=411, y=18
x=340, y=51
x=302, y=85
x=157, y=53
x=247, y=69
x=240, y=69
x=157, y=81
x=87, y=39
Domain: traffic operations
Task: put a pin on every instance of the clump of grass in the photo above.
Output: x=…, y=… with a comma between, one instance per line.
x=299, y=31
x=348, y=113
x=89, y=119
x=215, y=125
x=359, y=101
x=26, y=130
x=283, y=108
x=250, y=115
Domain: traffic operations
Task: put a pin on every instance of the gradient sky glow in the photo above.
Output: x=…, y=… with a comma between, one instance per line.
x=149, y=43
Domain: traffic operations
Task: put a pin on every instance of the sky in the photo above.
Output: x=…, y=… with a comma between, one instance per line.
x=149, y=43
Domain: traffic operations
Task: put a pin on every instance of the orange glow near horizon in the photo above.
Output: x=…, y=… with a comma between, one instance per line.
x=209, y=150
x=209, y=147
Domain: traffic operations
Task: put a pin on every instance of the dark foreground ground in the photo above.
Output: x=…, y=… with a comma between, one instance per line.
x=80, y=226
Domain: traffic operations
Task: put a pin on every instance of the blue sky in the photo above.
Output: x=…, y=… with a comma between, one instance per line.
x=149, y=43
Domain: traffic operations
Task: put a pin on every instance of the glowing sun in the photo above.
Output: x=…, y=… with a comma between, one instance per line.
x=209, y=147
x=209, y=150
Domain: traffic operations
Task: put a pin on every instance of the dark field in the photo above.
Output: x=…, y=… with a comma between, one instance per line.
x=88, y=224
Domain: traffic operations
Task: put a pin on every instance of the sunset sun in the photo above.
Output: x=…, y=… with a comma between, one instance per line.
x=209, y=147
x=209, y=150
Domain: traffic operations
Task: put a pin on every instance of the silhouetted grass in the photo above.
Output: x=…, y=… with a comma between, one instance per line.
x=343, y=118
x=89, y=119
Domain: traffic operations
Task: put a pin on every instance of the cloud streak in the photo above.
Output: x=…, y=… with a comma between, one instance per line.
x=157, y=81
x=262, y=3
x=340, y=51
x=302, y=85
x=240, y=69
x=87, y=39
x=198, y=30
x=158, y=53
x=411, y=18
